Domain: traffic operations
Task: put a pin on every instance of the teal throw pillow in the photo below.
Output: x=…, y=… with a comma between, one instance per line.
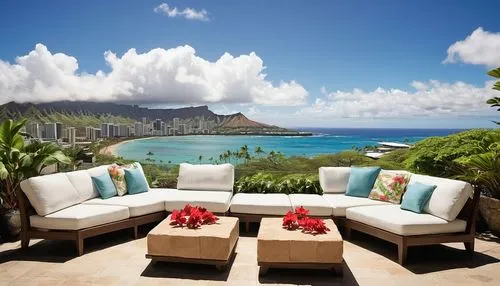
x=104, y=186
x=416, y=196
x=136, y=182
x=361, y=181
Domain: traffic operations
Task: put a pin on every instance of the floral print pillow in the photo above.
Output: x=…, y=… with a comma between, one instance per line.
x=117, y=174
x=389, y=187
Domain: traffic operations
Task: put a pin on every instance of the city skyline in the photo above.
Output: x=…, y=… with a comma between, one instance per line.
x=331, y=64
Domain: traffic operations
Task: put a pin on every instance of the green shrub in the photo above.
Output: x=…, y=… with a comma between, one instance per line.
x=444, y=156
x=277, y=183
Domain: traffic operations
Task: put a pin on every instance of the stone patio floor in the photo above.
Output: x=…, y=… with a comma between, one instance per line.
x=116, y=259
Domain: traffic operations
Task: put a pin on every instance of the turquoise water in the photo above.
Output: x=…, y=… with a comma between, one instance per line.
x=324, y=141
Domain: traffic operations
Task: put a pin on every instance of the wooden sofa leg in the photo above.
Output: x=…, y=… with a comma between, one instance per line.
x=25, y=240
x=402, y=252
x=79, y=245
x=469, y=247
x=136, y=231
x=347, y=232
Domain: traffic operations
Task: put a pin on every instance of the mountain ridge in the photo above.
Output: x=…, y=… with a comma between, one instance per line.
x=40, y=111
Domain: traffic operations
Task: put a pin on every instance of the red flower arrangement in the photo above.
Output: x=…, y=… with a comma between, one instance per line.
x=192, y=217
x=300, y=219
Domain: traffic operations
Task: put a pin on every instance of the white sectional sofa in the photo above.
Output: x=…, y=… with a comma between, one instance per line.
x=67, y=206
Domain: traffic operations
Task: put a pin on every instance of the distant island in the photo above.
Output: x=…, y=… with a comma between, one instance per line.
x=83, y=120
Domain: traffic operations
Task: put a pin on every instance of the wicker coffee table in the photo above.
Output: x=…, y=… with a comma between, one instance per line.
x=281, y=248
x=211, y=244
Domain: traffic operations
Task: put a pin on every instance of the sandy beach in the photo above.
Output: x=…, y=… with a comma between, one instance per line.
x=111, y=150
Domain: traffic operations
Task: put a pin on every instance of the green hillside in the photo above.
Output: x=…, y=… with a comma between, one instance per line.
x=80, y=121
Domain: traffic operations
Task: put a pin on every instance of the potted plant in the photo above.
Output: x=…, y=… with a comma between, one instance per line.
x=20, y=160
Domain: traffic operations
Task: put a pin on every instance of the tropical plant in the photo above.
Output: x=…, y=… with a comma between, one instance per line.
x=484, y=169
x=19, y=161
x=495, y=101
x=74, y=154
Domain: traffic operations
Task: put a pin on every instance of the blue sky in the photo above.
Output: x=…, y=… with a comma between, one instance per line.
x=332, y=56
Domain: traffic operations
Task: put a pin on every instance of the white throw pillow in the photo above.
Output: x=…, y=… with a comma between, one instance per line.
x=448, y=198
x=334, y=179
x=50, y=193
x=206, y=177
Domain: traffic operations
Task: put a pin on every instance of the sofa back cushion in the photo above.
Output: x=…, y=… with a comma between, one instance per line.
x=206, y=177
x=448, y=198
x=50, y=193
x=83, y=184
x=334, y=179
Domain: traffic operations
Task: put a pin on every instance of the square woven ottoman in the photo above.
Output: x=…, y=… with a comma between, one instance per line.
x=210, y=244
x=281, y=248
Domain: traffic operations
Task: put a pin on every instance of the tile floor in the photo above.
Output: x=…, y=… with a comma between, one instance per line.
x=116, y=259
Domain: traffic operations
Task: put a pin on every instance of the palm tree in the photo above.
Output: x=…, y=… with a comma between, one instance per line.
x=200, y=158
x=259, y=151
x=19, y=161
x=495, y=101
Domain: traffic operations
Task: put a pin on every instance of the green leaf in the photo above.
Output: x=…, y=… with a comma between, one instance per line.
x=495, y=73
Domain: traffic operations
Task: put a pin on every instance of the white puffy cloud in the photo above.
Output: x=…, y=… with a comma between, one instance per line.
x=429, y=99
x=187, y=13
x=173, y=76
x=479, y=48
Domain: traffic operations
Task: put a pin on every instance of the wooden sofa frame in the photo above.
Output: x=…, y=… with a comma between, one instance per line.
x=28, y=232
x=468, y=213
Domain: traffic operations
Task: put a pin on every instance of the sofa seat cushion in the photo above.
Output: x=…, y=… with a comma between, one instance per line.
x=448, y=198
x=80, y=216
x=139, y=204
x=316, y=204
x=217, y=202
x=341, y=203
x=393, y=219
x=261, y=204
x=50, y=193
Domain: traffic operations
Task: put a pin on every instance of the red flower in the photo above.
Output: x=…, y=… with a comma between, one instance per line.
x=315, y=226
x=301, y=212
x=290, y=221
x=194, y=220
x=383, y=197
x=399, y=180
x=208, y=217
x=187, y=209
x=178, y=218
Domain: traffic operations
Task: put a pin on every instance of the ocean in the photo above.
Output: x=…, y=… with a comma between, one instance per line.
x=180, y=149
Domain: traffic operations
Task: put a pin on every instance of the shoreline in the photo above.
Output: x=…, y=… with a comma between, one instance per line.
x=111, y=150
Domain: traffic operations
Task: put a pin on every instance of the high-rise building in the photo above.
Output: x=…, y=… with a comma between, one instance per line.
x=144, y=121
x=182, y=129
x=72, y=135
x=157, y=125
x=59, y=129
x=123, y=130
x=105, y=130
x=50, y=131
x=97, y=134
x=34, y=130
x=88, y=132
x=176, y=122
x=115, y=130
x=139, y=129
